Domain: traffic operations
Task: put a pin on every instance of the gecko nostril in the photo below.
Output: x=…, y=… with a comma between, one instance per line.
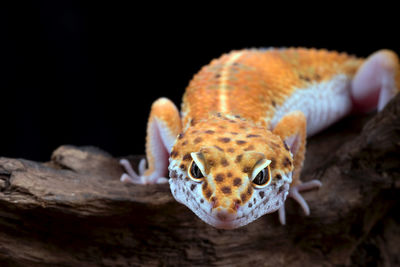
x=236, y=204
x=214, y=202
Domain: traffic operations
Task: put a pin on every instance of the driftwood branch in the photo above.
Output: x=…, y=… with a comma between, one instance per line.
x=73, y=211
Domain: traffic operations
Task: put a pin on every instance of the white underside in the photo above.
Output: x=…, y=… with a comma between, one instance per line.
x=322, y=103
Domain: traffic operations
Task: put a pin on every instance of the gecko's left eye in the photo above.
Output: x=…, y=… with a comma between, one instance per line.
x=263, y=177
x=195, y=172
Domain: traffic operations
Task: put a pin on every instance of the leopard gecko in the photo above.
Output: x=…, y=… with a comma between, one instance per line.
x=236, y=149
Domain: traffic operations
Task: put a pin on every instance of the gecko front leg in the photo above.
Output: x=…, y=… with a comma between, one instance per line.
x=163, y=127
x=292, y=130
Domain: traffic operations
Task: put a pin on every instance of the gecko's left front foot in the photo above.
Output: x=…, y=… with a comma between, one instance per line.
x=294, y=192
x=132, y=177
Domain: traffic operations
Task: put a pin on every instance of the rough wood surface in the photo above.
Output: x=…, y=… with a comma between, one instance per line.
x=73, y=211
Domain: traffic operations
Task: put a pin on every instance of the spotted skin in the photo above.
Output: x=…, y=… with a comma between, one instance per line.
x=228, y=175
x=246, y=115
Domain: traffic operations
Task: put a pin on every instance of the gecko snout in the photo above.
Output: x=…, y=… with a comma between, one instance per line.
x=224, y=210
x=224, y=214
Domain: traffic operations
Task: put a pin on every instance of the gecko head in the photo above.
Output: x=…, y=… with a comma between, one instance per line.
x=229, y=171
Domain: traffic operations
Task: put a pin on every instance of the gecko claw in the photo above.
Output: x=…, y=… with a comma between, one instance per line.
x=132, y=177
x=294, y=193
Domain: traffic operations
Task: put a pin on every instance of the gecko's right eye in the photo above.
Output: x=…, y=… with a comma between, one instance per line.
x=195, y=172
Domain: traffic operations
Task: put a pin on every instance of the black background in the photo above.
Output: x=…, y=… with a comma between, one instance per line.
x=87, y=73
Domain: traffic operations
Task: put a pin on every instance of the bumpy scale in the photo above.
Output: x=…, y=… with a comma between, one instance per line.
x=236, y=151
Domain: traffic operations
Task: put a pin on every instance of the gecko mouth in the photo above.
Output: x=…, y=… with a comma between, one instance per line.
x=226, y=222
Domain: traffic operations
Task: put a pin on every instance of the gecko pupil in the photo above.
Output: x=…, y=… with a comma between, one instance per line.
x=195, y=171
x=262, y=177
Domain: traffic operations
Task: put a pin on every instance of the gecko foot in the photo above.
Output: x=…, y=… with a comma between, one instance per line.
x=294, y=192
x=132, y=177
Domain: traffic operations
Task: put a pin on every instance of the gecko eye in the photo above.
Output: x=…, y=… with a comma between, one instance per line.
x=195, y=172
x=263, y=178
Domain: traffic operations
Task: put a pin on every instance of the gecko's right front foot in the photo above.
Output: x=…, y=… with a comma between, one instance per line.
x=132, y=177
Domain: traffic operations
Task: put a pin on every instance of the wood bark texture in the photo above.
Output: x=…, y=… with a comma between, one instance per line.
x=74, y=211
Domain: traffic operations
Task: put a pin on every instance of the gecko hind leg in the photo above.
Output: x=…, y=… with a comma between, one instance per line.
x=375, y=81
x=294, y=192
x=162, y=129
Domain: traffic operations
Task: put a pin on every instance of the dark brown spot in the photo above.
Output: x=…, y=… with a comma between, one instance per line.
x=211, y=162
x=234, y=133
x=273, y=163
x=186, y=179
x=249, y=190
x=193, y=122
x=250, y=205
x=304, y=78
x=208, y=194
x=226, y=190
x=250, y=147
x=286, y=146
x=184, y=143
x=237, y=182
x=252, y=135
x=273, y=103
x=286, y=162
x=246, y=169
x=180, y=136
x=174, y=153
x=192, y=187
x=197, y=140
x=173, y=174
x=243, y=127
x=254, y=200
x=237, y=116
x=240, y=142
x=201, y=200
x=243, y=197
x=229, y=174
x=222, y=126
x=210, y=132
x=262, y=194
x=231, y=150
x=219, y=148
x=224, y=162
x=183, y=167
x=217, y=75
x=238, y=158
x=277, y=203
x=187, y=157
x=219, y=177
x=278, y=176
x=232, y=121
x=224, y=139
x=205, y=184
